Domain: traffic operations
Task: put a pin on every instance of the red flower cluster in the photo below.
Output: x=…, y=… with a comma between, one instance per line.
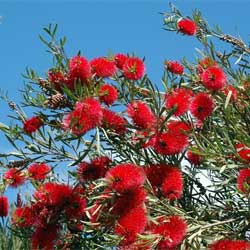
x=4, y=206
x=86, y=115
x=103, y=67
x=243, y=151
x=79, y=68
x=96, y=169
x=230, y=245
x=57, y=78
x=171, y=231
x=174, y=67
x=108, y=94
x=54, y=204
x=202, y=106
x=130, y=224
x=167, y=179
x=133, y=68
x=194, y=158
x=120, y=60
x=113, y=122
x=187, y=27
x=125, y=177
x=243, y=181
x=14, y=177
x=32, y=125
x=229, y=88
x=141, y=114
x=39, y=171
x=213, y=78
x=174, y=140
x=180, y=100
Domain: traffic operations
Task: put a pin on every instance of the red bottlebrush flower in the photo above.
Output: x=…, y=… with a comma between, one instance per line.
x=108, y=94
x=39, y=171
x=193, y=158
x=120, y=60
x=114, y=122
x=94, y=170
x=243, y=181
x=172, y=229
x=213, y=78
x=206, y=63
x=103, y=67
x=178, y=127
x=232, y=89
x=14, y=177
x=44, y=238
x=125, y=177
x=23, y=217
x=170, y=143
x=202, y=106
x=86, y=115
x=230, y=245
x=133, y=68
x=187, y=27
x=57, y=78
x=32, y=125
x=141, y=114
x=172, y=186
x=131, y=224
x=79, y=68
x=129, y=200
x=243, y=151
x=156, y=174
x=4, y=206
x=180, y=100
x=174, y=67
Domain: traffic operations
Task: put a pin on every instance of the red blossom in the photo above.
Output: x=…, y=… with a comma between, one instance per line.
x=187, y=27
x=129, y=200
x=44, y=238
x=108, y=94
x=103, y=67
x=32, y=125
x=180, y=100
x=193, y=158
x=4, y=206
x=141, y=114
x=170, y=143
x=230, y=245
x=57, y=78
x=39, y=171
x=232, y=89
x=243, y=151
x=120, y=60
x=243, y=180
x=86, y=115
x=125, y=177
x=113, y=121
x=93, y=170
x=14, y=177
x=174, y=67
x=131, y=224
x=178, y=127
x=133, y=68
x=23, y=217
x=79, y=68
x=171, y=229
x=172, y=186
x=213, y=78
x=202, y=106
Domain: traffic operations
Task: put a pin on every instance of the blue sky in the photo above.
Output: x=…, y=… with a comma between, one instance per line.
x=99, y=27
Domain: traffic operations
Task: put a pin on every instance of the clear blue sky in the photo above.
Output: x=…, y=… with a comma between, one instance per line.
x=97, y=27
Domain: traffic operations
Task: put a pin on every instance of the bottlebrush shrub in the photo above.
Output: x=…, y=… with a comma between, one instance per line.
x=144, y=166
